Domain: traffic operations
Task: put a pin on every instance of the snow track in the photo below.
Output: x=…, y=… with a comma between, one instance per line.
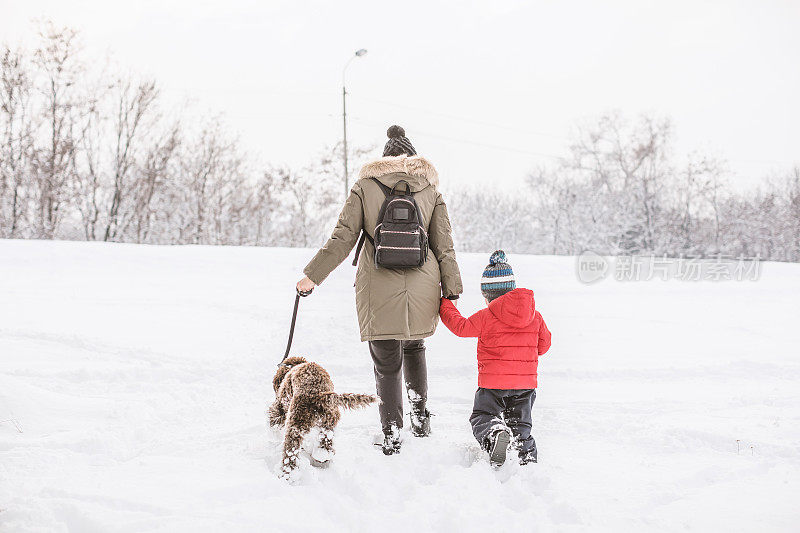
x=140, y=377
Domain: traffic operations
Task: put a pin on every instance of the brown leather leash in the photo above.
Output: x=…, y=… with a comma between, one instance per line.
x=294, y=321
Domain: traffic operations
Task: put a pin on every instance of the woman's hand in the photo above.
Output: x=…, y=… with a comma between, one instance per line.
x=305, y=285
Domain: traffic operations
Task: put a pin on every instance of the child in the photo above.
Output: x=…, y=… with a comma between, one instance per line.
x=511, y=337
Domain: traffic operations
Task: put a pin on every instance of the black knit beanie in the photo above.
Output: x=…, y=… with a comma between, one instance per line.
x=398, y=143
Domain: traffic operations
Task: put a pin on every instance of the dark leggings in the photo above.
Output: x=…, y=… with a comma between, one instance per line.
x=390, y=357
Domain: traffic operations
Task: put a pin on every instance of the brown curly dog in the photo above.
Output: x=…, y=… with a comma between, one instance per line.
x=304, y=399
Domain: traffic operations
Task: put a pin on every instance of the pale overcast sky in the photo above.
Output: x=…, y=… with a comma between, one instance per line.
x=486, y=90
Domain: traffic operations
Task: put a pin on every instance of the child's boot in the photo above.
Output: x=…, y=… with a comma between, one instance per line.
x=527, y=457
x=530, y=455
x=498, y=447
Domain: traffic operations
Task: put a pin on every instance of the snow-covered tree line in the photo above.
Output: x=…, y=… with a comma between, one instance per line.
x=95, y=153
x=91, y=153
x=623, y=190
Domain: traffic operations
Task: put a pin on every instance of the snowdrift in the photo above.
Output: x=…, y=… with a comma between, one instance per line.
x=140, y=376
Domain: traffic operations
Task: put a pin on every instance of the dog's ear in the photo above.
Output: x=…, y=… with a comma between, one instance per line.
x=294, y=361
x=283, y=369
x=279, y=375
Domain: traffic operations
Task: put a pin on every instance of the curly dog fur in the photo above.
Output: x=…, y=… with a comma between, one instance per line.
x=304, y=399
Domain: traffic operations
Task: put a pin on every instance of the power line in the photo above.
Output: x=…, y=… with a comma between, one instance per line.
x=465, y=141
x=464, y=119
x=317, y=116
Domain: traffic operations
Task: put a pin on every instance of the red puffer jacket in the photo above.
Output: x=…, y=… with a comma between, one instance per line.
x=511, y=337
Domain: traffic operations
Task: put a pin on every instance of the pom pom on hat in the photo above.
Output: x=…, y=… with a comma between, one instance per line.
x=498, y=257
x=395, y=131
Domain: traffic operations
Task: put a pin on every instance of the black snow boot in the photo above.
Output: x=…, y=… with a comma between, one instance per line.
x=528, y=457
x=391, y=443
x=498, y=447
x=421, y=423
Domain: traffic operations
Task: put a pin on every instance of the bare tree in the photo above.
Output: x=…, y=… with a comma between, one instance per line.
x=793, y=213
x=209, y=165
x=17, y=140
x=57, y=61
x=628, y=163
x=134, y=101
x=154, y=176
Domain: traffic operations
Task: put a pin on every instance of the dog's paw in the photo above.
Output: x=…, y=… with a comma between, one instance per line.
x=321, y=455
x=288, y=468
x=289, y=472
x=291, y=476
x=319, y=464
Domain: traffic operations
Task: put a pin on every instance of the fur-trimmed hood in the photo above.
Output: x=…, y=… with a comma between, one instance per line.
x=415, y=165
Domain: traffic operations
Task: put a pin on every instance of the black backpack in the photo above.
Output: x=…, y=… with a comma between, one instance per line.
x=400, y=237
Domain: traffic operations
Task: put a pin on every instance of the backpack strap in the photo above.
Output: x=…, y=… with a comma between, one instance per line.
x=385, y=188
x=386, y=192
x=408, y=187
x=361, y=245
x=389, y=191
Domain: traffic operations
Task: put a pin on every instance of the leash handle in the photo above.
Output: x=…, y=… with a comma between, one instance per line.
x=294, y=321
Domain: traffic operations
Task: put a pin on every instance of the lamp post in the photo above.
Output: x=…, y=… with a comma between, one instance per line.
x=360, y=52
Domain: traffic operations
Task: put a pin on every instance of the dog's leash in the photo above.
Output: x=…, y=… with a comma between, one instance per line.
x=294, y=320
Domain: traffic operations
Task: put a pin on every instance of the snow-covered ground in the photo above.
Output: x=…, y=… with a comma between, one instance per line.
x=140, y=377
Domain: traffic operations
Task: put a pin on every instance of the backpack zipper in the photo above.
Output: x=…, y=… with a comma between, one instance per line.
x=401, y=232
x=420, y=230
x=393, y=200
x=380, y=246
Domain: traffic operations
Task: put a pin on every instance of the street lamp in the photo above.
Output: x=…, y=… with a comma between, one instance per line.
x=358, y=53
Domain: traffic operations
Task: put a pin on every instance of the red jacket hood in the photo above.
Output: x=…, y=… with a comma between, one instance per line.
x=515, y=308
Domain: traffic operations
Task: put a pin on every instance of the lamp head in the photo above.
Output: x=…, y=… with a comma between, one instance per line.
x=360, y=52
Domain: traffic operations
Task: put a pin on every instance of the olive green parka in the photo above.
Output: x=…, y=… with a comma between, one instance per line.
x=394, y=303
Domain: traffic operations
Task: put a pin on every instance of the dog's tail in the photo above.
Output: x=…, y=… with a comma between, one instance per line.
x=351, y=400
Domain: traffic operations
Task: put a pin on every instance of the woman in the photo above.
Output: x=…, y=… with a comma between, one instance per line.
x=397, y=308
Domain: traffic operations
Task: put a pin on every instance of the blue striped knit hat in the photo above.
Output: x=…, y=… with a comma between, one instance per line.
x=498, y=278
